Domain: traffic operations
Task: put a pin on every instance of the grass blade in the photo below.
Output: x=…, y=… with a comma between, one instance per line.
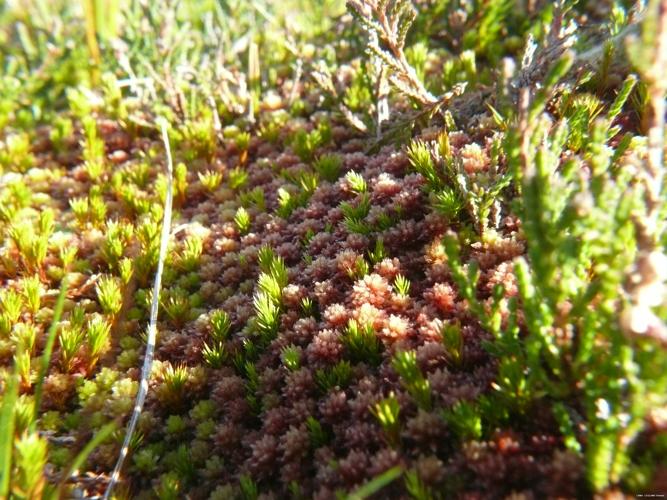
x=376, y=484
x=152, y=325
x=48, y=350
x=81, y=457
x=7, y=432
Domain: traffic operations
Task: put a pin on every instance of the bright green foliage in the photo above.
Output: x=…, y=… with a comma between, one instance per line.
x=24, y=336
x=318, y=436
x=7, y=419
x=32, y=289
x=203, y=410
x=199, y=136
x=32, y=240
x=465, y=420
x=189, y=256
x=402, y=285
x=337, y=376
x=328, y=166
x=109, y=295
x=379, y=253
x=354, y=215
x=220, y=325
x=267, y=314
x=452, y=338
x=169, y=487
x=411, y=377
x=93, y=149
x=360, y=269
x=238, y=178
x=287, y=203
x=305, y=144
x=15, y=153
x=30, y=460
x=97, y=338
x=265, y=258
x=178, y=305
x=376, y=484
x=210, y=179
x=356, y=182
x=296, y=194
x=11, y=305
x=174, y=380
x=291, y=357
x=308, y=307
x=118, y=237
x=362, y=343
x=273, y=278
x=146, y=461
x=214, y=355
x=242, y=220
x=253, y=197
x=452, y=189
x=70, y=340
x=242, y=141
x=387, y=413
x=180, y=184
x=416, y=487
x=248, y=487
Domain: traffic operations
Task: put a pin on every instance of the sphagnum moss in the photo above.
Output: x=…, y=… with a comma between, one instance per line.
x=429, y=270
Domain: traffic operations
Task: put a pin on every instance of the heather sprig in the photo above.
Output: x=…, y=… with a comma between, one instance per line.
x=453, y=191
x=387, y=25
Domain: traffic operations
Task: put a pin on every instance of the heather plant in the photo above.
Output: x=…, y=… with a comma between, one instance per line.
x=417, y=251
